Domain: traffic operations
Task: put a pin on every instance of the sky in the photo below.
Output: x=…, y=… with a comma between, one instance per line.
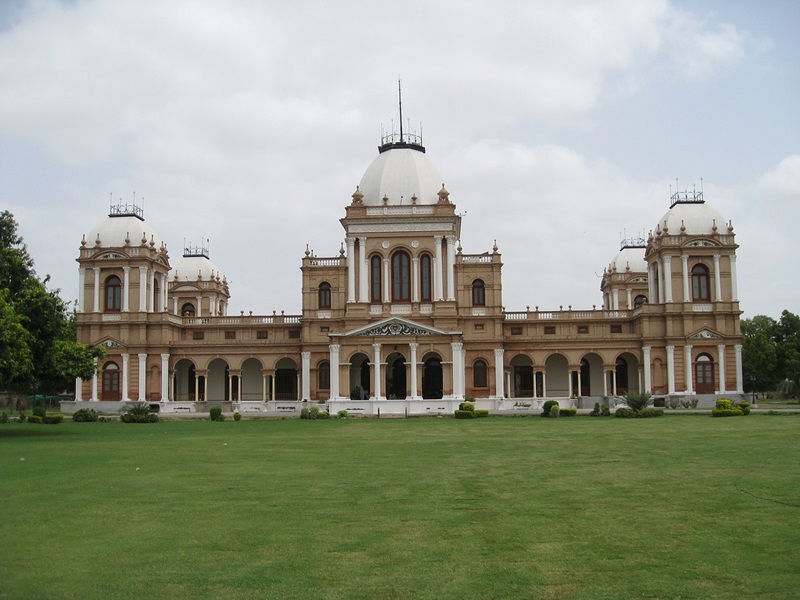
x=558, y=128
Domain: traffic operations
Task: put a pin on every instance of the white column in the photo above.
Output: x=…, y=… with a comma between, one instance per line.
x=544, y=384
x=387, y=296
x=94, y=382
x=165, y=395
x=175, y=306
x=124, y=376
x=142, y=377
x=351, y=271
x=376, y=359
x=668, y=279
x=605, y=382
x=661, y=281
x=414, y=389
x=264, y=378
x=737, y=349
x=437, y=271
x=614, y=300
x=363, y=287
x=78, y=389
x=306, y=382
x=671, y=369
x=81, y=291
x=334, y=354
x=126, y=289
x=142, y=289
x=646, y=365
x=687, y=368
x=717, y=280
x=96, y=307
x=498, y=373
x=415, y=279
x=199, y=309
x=580, y=391
x=451, y=271
x=734, y=281
x=651, y=283
x=614, y=381
x=685, y=278
x=721, y=361
x=629, y=298
x=458, y=368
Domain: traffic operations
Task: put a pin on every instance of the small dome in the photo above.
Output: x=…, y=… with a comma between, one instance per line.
x=114, y=231
x=697, y=218
x=187, y=268
x=630, y=256
x=397, y=174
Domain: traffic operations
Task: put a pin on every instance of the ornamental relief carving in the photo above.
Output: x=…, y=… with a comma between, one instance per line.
x=395, y=329
x=704, y=335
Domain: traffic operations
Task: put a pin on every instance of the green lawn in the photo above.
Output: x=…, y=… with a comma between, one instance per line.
x=676, y=507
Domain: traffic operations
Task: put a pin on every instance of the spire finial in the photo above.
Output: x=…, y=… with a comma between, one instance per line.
x=400, y=103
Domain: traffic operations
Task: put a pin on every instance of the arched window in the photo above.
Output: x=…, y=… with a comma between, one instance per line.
x=700, y=288
x=478, y=293
x=187, y=310
x=639, y=301
x=324, y=295
x=704, y=374
x=425, y=277
x=113, y=294
x=401, y=280
x=111, y=389
x=479, y=379
x=375, y=279
x=324, y=376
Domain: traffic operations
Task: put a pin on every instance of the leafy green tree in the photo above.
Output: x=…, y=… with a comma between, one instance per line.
x=788, y=341
x=760, y=353
x=38, y=348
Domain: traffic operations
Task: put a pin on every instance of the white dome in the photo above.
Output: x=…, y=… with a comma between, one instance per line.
x=187, y=268
x=113, y=232
x=698, y=218
x=399, y=174
x=630, y=256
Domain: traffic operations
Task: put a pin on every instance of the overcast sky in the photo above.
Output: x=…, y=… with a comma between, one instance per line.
x=557, y=126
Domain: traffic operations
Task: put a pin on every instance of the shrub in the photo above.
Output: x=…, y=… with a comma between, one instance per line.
x=547, y=406
x=39, y=411
x=237, y=416
x=21, y=418
x=726, y=412
x=139, y=413
x=674, y=403
x=215, y=412
x=605, y=411
x=651, y=412
x=3, y=417
x=324, y=414
x=304, y=413
x=724, y=403
x=596, y=410
x=467, y=406
x=554, y=411
x=313, y=412
x=744, y=407
x=84, y=415
x=481, y=413
x=625, y=413
x=566, y=412
x=35, y=419
x=659, y=402
x=638, y=401
x=465, y=414
x=53, y=419
x=342, y=414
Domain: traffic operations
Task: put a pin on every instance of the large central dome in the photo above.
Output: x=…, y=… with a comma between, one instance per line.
x=400, y=172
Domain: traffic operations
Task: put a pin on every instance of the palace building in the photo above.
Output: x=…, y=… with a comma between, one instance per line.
x=402, y=321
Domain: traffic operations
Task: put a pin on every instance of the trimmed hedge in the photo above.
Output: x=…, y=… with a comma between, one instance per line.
x=464, y=414
x=554, y=412
x=53, y=419
x=215, y=412
x=35, y=419
x=547, y=406
x=651, y=412
x=84, y=415
x=567, y=412
x=481, y=413
x=624, y=413
x=139, y=413
x=726, y=412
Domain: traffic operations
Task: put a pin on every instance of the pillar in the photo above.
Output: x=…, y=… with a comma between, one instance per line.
x=721, y=360
x=717, y=280
x=124, y=376
x=414, y=387
x=334, y=357
x=376, y=354
x=165, y=395
x=387, y=295
x=415, y=279
x=737, y=349
x=498, y=373
x=451, y=262
x=437, y=271
x=685, y=277
x=351, y=269
x=671, y=369
x=81, y=290
x=687, y=368
x=78, y=389
x=306, y=376
x=96, y=298
x=363, y=284
x=668, y=279
x=94, y=382
x=142, y=377
x=734, y=282
x=646, y=364
x=458, y=369
x=142, y=289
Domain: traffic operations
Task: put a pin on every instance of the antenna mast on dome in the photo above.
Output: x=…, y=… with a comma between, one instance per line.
x=404, y=139
x=400, y=103
x=124, y=209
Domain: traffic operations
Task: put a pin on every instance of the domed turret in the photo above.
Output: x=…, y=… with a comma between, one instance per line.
x=401, y=174
x=124, y=226
x=690, y=215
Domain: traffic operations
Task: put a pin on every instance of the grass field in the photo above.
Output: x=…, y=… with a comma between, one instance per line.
x=677, y=507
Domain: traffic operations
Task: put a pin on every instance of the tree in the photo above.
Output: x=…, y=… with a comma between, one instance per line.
x=788, y=340
x=760, y=353
x=38, y=348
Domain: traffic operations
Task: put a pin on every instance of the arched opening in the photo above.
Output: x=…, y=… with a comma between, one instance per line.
x=218, y=388
x=359, y=377
x=639, y=301
x=324, y=295
x=700, y=286
x=479, y=294
x=396, y=376
x=252, y=380
x=187, y=310
x=557, y=375
x=401, y=277
x=521, y=376
x=704, y=374
x=425, y=278
x=114, y=294
x=591, y=375
x=286, y=379
x=480, y=378
x=324, y=376
x=111, y=382
x=432, y=378
x=375, y=279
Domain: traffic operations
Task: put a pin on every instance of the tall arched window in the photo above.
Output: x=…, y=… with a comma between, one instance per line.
x=324, y=376
x=111, y=389
x=700, y=287
x=479, y=379
x=639, y=301
x=425, y=278
x=324, y=295
x=187, y=310
x=401, y=277
x=375, y=278
x=113, y=294
x=704, y=374
x=478, y=293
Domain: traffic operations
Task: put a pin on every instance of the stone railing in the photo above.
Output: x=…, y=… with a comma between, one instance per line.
x=567, y=315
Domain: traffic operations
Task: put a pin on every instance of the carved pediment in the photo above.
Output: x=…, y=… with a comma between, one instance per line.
x=111, y=255
x=394, y=327
x=109, y=343
x=705, y=334
x=701, y=243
